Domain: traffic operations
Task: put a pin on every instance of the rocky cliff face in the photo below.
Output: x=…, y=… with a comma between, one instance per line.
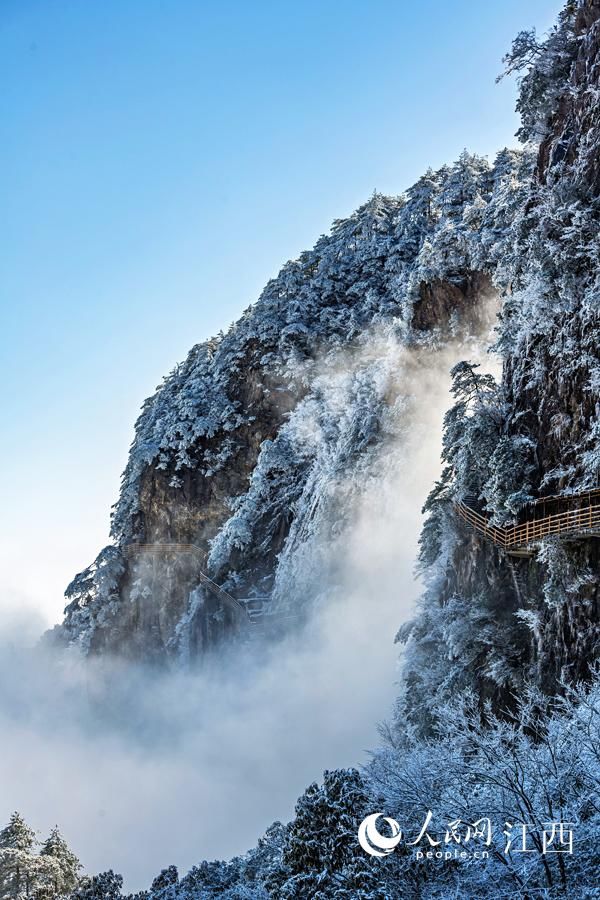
x=553, y=370
x=496, y=623
x=238, y=450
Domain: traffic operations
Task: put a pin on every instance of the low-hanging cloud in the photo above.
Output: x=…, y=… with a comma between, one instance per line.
x=145, y=768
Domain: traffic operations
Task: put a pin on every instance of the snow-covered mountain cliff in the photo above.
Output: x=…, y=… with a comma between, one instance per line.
x=240, y=449
x=510, y=621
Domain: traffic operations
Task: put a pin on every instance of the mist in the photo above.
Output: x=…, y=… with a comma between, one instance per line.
x=143, y=768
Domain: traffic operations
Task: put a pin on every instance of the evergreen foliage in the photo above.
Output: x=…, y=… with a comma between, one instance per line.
x=25, y=873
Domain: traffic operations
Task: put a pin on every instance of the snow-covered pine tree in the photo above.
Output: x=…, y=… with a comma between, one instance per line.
x=17, y=858
x=320, y=857
x=17, y=835
x=469, y=177
x=105, y=886
x=66, y=871
x=24, y=873
x=472, y=428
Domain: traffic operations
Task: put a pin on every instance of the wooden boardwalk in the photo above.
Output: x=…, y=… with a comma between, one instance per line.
x=573, y=516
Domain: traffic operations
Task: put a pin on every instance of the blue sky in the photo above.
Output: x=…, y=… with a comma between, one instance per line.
x=159, y=161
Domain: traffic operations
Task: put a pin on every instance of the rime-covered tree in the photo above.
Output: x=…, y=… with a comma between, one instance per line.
x=105, y=886
x=320, y=856
x=547, y=66
x=17, y=858
x=472, y=428
x=17, y=835
x=66, y=876
x=166, y=885
x=48, y=874
x=469, y=177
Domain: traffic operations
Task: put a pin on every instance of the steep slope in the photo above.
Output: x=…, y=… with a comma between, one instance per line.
x=239, y=447
x=491, y=622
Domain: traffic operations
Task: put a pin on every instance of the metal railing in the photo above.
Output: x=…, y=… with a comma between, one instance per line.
x=251, y=610
x=570, y=522
x=215, y=589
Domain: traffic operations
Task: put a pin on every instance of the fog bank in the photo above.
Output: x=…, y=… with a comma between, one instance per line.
x=143, y=769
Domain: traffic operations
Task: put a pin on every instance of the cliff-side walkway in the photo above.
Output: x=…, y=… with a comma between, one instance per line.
x=571, y=516
x=246, y=612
